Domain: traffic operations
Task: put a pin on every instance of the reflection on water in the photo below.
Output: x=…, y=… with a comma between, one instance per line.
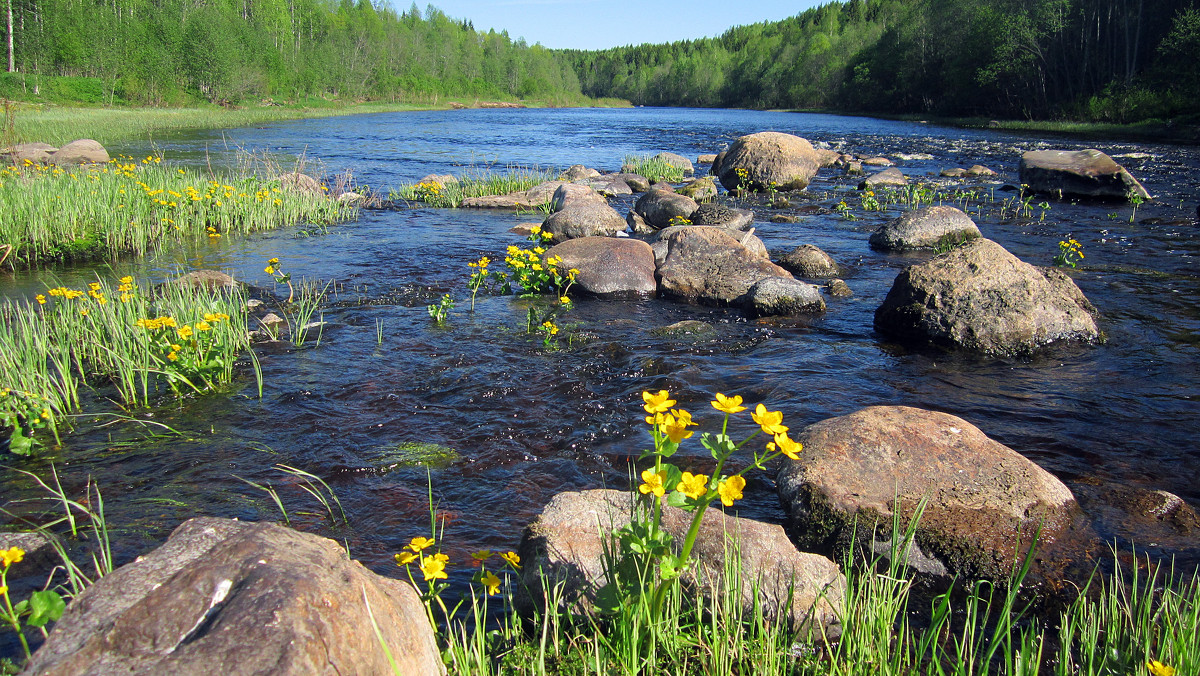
x=526, y=423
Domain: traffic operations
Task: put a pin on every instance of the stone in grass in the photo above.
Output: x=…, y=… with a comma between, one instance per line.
x=82, y=151
x=983, y=501
x=227, y=597
x=567, y=542
x=932, y=227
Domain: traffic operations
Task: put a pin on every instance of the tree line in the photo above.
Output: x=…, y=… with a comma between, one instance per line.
x=167, y=52
x=1112, y=60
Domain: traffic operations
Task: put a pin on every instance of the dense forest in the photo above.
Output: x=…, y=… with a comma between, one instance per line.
x=165, y=52
x=1102, y=60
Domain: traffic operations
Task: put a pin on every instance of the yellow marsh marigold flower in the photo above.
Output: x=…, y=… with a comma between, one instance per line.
x=729, y=405
x=770, y=421
x=405, y=558
x=731, y=489
x=491, y=582
x=657, y=403
x=203, y=326
x=10, y=556
x=784, y=444
x=653, y=483
x=433, y=569
x=1159, y=669
x=693, y=485
x=419, y=543
x=675, y=427
x=185, y=331
x=40, y=299
x=512, y=559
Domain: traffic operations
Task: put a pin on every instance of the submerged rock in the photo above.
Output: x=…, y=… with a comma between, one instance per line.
x=228, y=597
x=1080, y=173
x=984, y=501
x=783, y=296
x=567, y=541
x=980, y=297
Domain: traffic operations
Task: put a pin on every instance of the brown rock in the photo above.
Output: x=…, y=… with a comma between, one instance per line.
x=706, y=264
x=808, y=261
x=891, y=177
x=827, y=157
x=83, y=151
x=877, y=162
x=226, y=597
x=298, y=182
x=1082, y=173
x=722, y=216
x=930, y=227
x=657, y=207
x=207, y=279
x=569, y=194
x=706, y=158
x=566, y=543
x=584, y=218
x=610, y=267
x=578, y=172
x=984, y=500
x=789, y=162
x=38, y=153
x=839, y=289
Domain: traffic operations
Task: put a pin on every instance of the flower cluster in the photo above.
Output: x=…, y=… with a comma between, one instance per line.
x=1070, y=253
x=536, y=273
x=433, y=566
x=24, y=413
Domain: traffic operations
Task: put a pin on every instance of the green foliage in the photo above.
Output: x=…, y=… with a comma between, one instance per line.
x=656, y=169
x=440, y=310
x=475, y=183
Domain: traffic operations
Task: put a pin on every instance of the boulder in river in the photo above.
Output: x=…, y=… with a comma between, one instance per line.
x=722, y=216
x=569, y=194
x=610, y=267
x=707, y=158
x=983, y=501
x=584, y=218
x=981, y=298
x=700, y=189
x=707, y=265
x=1078, y=173
x=82, y=151
x=566, y=543
x=231, y=597
x=578, y=172
x=768, y=157
x=888, y=178
x=657, y=207
x=783, y=296
x=809, y=262
x=931, y=227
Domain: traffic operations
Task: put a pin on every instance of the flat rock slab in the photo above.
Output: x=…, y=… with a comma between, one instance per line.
x=1079, y=173
x=609, y=267
x=707, y=265
x=981, y=298
x=566, y=542
x=929, y=227
x=984, y=500
x=228, y=597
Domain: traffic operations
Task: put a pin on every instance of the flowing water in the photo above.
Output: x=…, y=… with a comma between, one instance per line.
x=514, y=423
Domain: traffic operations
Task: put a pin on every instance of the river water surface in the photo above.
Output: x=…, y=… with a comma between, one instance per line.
x=524, y=423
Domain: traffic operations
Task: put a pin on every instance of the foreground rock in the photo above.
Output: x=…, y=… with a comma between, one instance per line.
x=226, y=597
x=707, y=265
x=768, y=157
x=985, y=501
x=82, y=151
x=980, y=297
x=781, y=296
x=584, y=218
x=609, y=267
x=1080, y=173
x=810, y=262
x=933, y=227
x=566, y=543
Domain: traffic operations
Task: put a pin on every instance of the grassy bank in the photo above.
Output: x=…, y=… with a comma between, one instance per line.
x=1170, y=131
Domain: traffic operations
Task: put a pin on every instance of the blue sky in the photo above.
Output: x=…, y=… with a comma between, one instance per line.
x=598, y=24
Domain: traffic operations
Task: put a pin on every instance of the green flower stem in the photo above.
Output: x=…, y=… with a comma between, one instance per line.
x=11, y=616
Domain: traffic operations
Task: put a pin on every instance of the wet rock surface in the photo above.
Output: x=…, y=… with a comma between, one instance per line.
x=707, y=265
x=584, y=218
x=925, y=228
x=1079, y=173
x=610, y=267
x=810, y=262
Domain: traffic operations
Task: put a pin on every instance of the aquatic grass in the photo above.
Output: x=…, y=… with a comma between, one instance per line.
x=475, y=183
x=655, y=168
x=127, y=206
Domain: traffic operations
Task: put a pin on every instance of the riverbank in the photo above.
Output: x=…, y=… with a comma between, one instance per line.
x=1169, y=131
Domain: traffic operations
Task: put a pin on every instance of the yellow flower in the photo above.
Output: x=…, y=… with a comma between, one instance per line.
x=40, y=299
x=784, y=444
x=1159, y=669
x=770, y=421
x=491, y=582
x=203, y=326
x=419, y=543
x=10, y=556
x=433, y=568
x=270, y=269
x=273, y=261
x=693, y=485
x=405, y=558
x=653, y=483
x=676, y=427
x=185, y=331
x=731, y=489
x=4, y=589
x=728, y=405
x=173, y=356
x=657, y=403
x=512, y=559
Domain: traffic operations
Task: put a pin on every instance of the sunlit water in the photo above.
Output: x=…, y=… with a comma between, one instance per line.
x=526, y=423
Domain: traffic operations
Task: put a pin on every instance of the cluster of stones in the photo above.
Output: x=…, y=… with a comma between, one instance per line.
x=81, y=151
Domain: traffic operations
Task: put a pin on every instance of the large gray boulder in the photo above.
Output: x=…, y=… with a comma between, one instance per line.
x=1079, y=173
x=658, y=207
x=783, y=296
x=768, y=157
x=722, y=216
x=82, y=151
x=567, y=542
x=984, y=501
x=229, y=597
x=584, y=218
x=932, y=227
x=746, y=238
x=569, y=194
x=610, y=267
x=707, y=265
x=980, y=297
x=809, y=262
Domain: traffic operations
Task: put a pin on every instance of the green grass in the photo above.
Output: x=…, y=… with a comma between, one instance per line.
x=50, y=214
x=478, y=183
x=656, y=169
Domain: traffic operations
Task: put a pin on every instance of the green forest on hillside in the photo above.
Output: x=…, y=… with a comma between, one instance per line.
x=1097, y=60
x=170, y=52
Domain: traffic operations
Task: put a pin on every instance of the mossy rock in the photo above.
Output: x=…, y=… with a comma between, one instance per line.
x=414, y=454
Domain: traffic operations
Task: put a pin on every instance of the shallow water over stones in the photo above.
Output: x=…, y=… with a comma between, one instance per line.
x=518, y=423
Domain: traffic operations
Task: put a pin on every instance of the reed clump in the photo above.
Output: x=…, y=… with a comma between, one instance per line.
x=476, y=183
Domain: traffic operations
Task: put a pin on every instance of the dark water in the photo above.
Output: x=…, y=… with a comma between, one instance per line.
x=526, y=423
